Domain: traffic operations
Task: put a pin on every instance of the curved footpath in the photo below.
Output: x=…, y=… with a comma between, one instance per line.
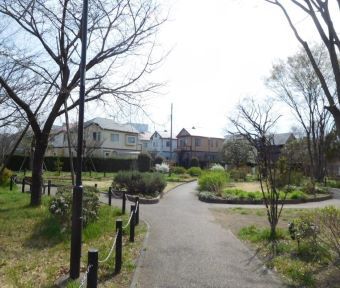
x=186, y=248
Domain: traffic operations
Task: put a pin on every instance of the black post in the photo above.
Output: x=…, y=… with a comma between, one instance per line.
x=77, y=215
x=123, y=202
x=96, y=185
x=132, y=224
x=92, y=262
x=110, y=195
x=119, y=245
x=25, y=172
x=104, y=174
x=11, y=184
x=137, y=210
x=23, y=185
x=49, y=187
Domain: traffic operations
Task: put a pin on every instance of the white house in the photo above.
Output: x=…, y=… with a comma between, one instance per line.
x=160, y=145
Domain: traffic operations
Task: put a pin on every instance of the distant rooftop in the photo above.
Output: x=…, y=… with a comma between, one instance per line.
x=109, y=124
x=193, y=131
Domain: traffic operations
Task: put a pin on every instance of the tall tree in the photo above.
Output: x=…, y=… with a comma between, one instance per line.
x=295, y=83
x=324, y=15
x=45, y=47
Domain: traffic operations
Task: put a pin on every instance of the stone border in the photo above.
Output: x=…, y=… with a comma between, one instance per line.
x=260, y=202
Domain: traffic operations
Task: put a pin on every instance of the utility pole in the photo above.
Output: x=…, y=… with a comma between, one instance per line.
x=77, y=204
x=171, y=133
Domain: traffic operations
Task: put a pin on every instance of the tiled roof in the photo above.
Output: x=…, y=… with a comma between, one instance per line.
x=109, y=124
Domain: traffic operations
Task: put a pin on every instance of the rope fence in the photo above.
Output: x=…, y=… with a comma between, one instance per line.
x=91, y=274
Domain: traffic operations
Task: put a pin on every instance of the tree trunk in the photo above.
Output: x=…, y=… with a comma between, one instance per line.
x=37, y=170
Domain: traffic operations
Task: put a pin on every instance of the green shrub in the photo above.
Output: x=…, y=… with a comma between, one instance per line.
x=212, y=181
x=135, y=182
x=178, y=170
x=238, y=174
x=61, y=205
x=194, y=162
x=256, y=234
x=5, y=176
x=144, y=162
x=195, y=171
x=127, y=180
x=296, y=194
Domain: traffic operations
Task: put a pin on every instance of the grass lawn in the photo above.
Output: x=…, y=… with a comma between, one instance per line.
x=298, y=268
x=34, y=252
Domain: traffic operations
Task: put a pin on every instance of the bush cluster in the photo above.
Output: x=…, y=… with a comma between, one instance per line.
x=320, y=230
x=162, y=168
x=213, y=181
x=5, y=176
x=238, y=174
x=217, y=167
x=195, y=171
x=194, y=162
x=178, y=170
x=135, y=182
x=61, y=205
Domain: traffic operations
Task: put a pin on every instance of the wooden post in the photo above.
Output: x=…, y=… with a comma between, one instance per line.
x=137, y=210
x=11, y=184
x=119, y=246
x=23, y=185
x=92, y=262
x=49, y=187
x=110, y=195
x=123, y=203
x=132, y=224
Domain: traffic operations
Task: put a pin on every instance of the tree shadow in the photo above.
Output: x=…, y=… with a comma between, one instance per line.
x=45, y=234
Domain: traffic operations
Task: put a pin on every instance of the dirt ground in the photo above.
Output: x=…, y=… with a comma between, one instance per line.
x=246, y=186
x=236, y=218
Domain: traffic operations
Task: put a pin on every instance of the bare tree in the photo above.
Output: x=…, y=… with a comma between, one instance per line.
x=254, y=122
x=44, y=55
x=295, y=83
x=324, y=15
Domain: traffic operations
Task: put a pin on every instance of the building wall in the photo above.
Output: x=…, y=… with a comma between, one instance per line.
x=203, y=144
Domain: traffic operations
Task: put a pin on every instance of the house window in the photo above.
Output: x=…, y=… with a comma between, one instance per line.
x=216, y=143
x=145, y=145
x=167, y=143
x=96, y=136
x=197, y=141
x=211, y=143
x=115, y=137
x=131, y=140
x=181, y=143
x=107, y=154
x=154, y=144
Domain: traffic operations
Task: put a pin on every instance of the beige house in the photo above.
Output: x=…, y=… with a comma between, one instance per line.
x=103, y=138
x=194, y=143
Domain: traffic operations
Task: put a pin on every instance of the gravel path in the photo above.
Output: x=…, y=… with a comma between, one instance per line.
x=186, y=248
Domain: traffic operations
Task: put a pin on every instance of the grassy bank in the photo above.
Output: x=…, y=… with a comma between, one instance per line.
x=35, y=251
x=304, y=265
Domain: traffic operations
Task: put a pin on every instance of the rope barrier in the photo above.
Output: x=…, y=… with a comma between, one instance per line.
x=127, y=224
x=82, y=282
x=111, y=250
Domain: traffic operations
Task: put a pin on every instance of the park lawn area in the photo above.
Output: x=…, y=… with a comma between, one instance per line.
x=296, y=269
x=35, y=252
x=245, y=186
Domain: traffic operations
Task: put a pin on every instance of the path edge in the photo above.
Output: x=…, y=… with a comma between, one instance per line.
x=140, y=259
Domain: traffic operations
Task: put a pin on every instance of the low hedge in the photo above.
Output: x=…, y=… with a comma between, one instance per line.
x=134, y=182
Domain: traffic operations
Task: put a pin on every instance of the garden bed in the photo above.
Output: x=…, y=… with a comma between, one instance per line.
x=212, y=198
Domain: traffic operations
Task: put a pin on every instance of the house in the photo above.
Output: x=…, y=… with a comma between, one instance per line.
x=160, y=145
x=195, y=143
x=145, y=141
x=103, y=138
x=278, y=142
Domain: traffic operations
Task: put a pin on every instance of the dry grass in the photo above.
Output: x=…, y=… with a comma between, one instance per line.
x=34, y=252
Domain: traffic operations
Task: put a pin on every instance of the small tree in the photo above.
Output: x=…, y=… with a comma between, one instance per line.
x=144, y=162
x=237, y=152
x=254, y=123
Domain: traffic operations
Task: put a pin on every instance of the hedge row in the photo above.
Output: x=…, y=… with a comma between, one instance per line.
x=95, y=164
